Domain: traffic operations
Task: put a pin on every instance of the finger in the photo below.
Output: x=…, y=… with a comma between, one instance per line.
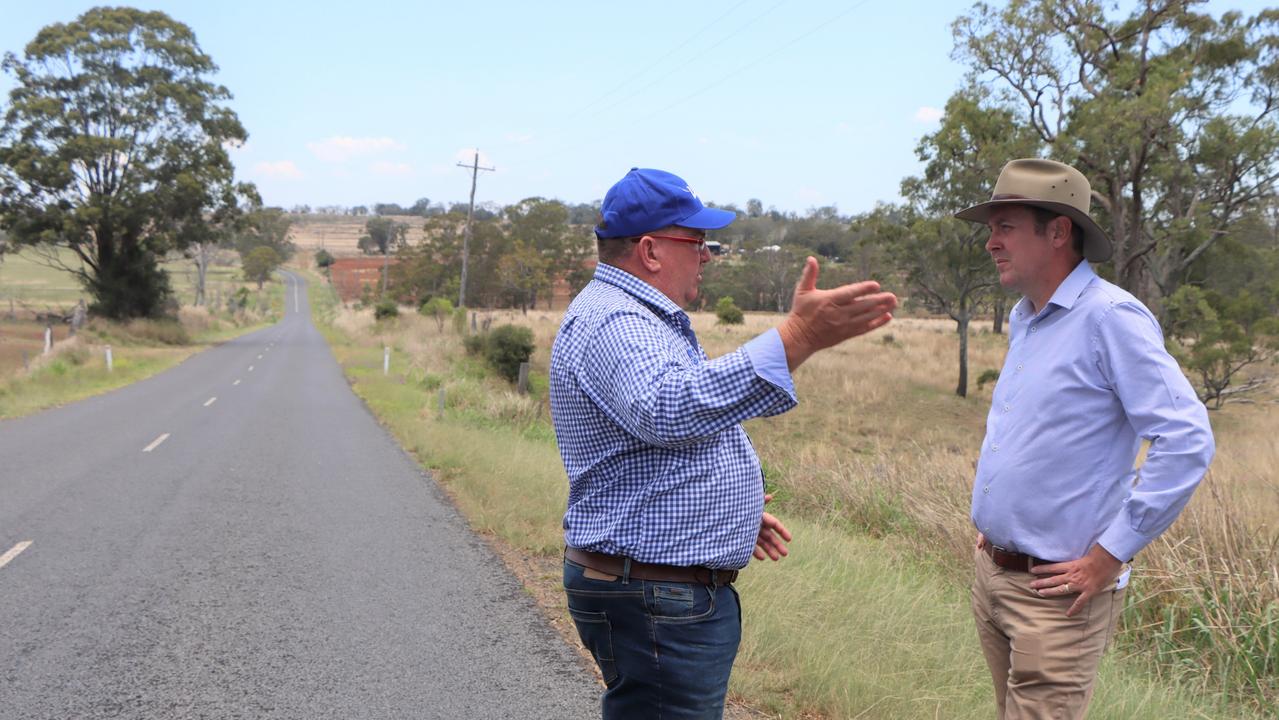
x=808, y=276
x=768, y=497
x=775, y=549
x=1053, y=568
x=1049, y=582
x=866, y=289
x=1078, y=604
x=769, y=522
x=771, y=550
x=759, y=554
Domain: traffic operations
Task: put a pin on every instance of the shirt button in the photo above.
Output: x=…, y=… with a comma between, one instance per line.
x=1019, y=367
x=1033, y=327
x=995, y=448
x=1007, y=407
x=986, y=490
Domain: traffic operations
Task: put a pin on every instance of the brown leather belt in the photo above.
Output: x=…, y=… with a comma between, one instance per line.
x=1013, y=560
x=615, y=565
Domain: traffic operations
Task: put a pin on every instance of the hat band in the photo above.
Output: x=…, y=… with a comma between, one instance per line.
x=1008, y=196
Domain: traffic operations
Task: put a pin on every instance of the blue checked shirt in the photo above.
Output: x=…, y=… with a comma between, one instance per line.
x=1085, y=380
x=659, y=467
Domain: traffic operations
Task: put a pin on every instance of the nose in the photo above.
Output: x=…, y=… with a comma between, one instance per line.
x=991, y=243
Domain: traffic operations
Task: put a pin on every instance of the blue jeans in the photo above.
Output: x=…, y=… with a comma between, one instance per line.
x=665, y=649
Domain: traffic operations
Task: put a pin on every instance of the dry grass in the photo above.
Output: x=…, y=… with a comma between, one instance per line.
x=881, y=447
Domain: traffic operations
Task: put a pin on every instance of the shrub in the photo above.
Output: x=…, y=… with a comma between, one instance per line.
x=385, y=309
x=475, y=344
x=324, y=258
x=506, y=347
x=459, y=320
x=989, y=375
x=728, y=312
x=438, y=308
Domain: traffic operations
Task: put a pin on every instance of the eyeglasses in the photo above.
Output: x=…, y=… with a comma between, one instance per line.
x=700, y=242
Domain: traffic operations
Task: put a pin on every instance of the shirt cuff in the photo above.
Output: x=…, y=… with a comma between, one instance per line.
x=1121, y=541
x=768, y=358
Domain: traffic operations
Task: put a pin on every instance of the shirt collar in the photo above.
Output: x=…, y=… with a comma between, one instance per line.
x=641, y=290
x=1066, y=294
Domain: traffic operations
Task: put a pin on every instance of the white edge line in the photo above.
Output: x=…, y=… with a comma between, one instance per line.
x=237, y=382
x=14, y=552
x=210, y=401
x=156, y=443
x=259, y=357
x=250, y=368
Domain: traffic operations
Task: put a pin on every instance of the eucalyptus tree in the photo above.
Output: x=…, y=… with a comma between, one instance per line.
x=114, y=146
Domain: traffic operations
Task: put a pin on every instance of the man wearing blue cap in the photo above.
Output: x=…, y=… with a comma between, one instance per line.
x=666, y=497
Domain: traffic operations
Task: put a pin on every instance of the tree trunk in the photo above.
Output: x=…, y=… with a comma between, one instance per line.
x=998, y=323
x=962, y=326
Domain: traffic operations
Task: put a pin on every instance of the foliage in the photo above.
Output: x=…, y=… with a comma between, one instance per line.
x=324, y=259
x=438, y=308
x=459, y=320
x=114, y=145
x=1216, y=337
x=385, y=309
x=260, y=263
x=505, y=348
x=265, y=227
x=727, y=312
x=382, y=235
x=1170, y=113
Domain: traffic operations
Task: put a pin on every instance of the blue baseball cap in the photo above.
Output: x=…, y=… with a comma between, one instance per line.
x=647, y=200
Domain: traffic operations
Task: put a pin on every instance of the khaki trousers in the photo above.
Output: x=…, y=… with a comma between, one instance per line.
x=1043, y=663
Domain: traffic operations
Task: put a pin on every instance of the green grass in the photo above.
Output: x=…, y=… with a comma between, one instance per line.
x=139, y=350
x=849, y=626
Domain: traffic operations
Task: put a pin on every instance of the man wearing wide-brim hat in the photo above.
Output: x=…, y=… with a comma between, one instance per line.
x=1058, y=507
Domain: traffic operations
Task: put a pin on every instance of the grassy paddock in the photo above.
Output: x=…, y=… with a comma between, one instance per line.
x=869, y=616
x=76, y=367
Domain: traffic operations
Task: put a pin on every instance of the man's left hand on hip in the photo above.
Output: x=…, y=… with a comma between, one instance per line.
x=1088, y=576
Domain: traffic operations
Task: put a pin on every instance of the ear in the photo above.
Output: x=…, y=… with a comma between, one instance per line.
x=1061, y=231
x=646, y=252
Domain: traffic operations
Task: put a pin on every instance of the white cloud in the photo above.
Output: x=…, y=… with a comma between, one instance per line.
x=518, y=138
x=928, y=114
x=467, y=156
x=391, y=169
x=341, y=148
x=279, y=170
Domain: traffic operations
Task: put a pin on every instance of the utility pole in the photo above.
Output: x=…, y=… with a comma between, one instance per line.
x=470, y=216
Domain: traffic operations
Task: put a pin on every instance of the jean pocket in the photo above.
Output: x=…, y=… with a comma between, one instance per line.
x=597, y=635
x=683, y=602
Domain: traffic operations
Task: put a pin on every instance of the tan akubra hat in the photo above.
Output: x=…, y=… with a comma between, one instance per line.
x=1050, y=185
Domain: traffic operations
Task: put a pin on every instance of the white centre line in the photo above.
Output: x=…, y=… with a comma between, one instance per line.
x=156, y=443
x=250, y=368
x=210, y=401
x=259, y=357
x=237, y=382
x=14, y=552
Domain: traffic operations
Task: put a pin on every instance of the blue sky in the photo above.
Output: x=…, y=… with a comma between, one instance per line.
x=799, y=103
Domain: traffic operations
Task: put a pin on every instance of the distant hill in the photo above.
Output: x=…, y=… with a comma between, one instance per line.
x=339, y=234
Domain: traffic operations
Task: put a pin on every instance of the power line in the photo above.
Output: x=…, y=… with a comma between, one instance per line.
x=660, y=60
x=723, y=78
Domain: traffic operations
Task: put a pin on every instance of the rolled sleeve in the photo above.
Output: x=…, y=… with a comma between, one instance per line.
x=768, y=356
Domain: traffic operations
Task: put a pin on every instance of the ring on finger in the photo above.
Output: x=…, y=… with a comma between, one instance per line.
x=1066, y=588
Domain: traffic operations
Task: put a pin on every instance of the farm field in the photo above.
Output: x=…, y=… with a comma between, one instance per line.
x=873, y=470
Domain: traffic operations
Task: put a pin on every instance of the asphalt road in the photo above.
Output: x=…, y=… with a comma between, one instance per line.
x=238, y=538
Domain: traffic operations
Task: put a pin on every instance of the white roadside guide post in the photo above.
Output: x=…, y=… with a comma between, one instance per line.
x=48, y=339
x=386, y=360
x=110, y=365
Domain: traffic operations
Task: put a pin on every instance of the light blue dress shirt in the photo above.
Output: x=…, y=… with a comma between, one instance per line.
x=659, y=467
x=1085, y=380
